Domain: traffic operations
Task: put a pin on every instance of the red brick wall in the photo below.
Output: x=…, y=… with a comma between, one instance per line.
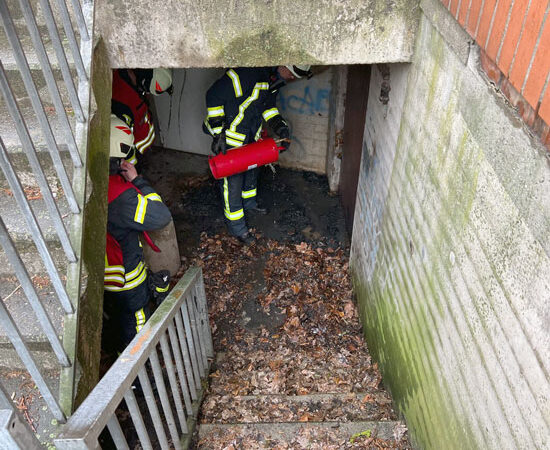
x=514, y=37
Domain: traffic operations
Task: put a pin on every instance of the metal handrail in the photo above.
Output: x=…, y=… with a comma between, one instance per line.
x=182, y=328
x=15, y=433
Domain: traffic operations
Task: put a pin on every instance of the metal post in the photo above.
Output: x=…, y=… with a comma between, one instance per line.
x=198, y=347
x=81, y=23
x=186, y=358
x=116, y=433
x=191, y=345
x=179, y=365
x=37, y=236
x=153, y=409
x=137, y=419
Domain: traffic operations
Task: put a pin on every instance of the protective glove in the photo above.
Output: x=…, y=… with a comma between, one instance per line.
x=218, y=144
x=284, y=133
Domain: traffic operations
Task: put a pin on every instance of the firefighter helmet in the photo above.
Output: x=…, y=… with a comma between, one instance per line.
x=161, y=81
x=300, y=71
x=122, y=138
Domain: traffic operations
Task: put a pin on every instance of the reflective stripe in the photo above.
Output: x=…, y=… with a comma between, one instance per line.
x=114, y=269
x=141, y=209
x=269, y=113
x=249, y=194
x=236, y=82
x=258, y=134
x=144, y=144
x=153, y=197
x=217, y=130
x=233, y=142
x=160, y=289
x=227, y=210
x=235, y=135
x=132, y=159
x=208, y=127
x=134, y=273
x=140, y=319
x=215, y=111
x=128, y=286
x=242, y=107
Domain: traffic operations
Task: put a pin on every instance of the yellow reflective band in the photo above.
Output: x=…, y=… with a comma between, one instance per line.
x=144, y=144
x=233, y=142
x=236, y=82
x=234, y=215
x=136, y=282
x=242, y=107
x=159, y=289
x=258, y=133
x=235, y=135
x=216, y=130
x=117, y=278
x=134, y=273
x=153, y=197
x=141, y=209
x=249, y=194
x=132, y=159
x=140, y=319
x=208, y=127
x=114, y=269
x=215, y=111
x=269, y=113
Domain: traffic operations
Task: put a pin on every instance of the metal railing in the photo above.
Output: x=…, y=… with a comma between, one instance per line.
x=78, y=90
x=180, y=325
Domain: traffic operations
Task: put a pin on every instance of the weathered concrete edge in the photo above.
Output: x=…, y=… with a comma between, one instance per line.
x=451, y=31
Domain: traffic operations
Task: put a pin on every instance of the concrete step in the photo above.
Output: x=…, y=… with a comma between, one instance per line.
x=27, y=399
x=331, y=407
x=21, y=236
x=314, y=435
x=22, y=313
x=293, y=371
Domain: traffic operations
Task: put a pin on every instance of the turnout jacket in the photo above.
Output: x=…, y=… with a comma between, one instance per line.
x=134, y=207
x=129, y=105
x=237, y=102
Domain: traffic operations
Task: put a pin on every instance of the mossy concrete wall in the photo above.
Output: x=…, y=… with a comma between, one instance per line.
x=451, y=251
x=214, y=33
x=95, y=224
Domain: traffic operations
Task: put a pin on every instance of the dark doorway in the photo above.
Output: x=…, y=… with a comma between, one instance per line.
x=357, y=94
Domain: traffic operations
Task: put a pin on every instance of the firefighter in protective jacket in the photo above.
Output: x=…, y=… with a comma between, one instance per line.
x=236, y=105
x=134, y=208
x=129, y=102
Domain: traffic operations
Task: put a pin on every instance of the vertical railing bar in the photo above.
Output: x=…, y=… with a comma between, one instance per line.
x=191, y=345
x=73, y=44
x=170, y=369
x=34, y=97
x=116, y=433
x=6, y=321
x=179, y=365
x=199, y=316
x=208, y=333
x=38, y=109
x=62, y=59
x=186, y=357
x=49, y=77
x=19, y=433
x=139, y=425
x=159, y=380
x=37, y=236
x=191, y=308
x=153, y=409
x=32, y=296
x=80, y=21
x=30, y=152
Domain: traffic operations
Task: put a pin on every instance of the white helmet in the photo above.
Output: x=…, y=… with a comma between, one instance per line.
x=161, y=81
x=122, y=139
x=300, y=71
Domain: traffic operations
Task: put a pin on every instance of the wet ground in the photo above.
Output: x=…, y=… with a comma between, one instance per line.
x=301, y=208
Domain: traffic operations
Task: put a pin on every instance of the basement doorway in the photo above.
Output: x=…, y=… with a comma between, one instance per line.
x=284, y=324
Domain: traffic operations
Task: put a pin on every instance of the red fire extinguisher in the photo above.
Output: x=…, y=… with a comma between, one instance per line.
x=241, y=159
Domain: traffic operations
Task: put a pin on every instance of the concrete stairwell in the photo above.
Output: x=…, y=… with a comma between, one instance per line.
x=13, y=373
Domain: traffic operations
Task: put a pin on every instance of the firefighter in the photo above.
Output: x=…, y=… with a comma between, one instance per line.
x=236, y=104
x=129, y=103
x=134, y=208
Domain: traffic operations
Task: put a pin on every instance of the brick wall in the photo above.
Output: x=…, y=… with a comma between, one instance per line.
x=451, y=250
x=514, y=36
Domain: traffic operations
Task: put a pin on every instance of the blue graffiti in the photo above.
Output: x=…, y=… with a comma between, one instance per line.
x=310, y=102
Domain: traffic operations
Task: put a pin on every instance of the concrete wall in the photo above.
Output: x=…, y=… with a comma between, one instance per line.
x=210, y=33
x=303, y=103
x=451, y=251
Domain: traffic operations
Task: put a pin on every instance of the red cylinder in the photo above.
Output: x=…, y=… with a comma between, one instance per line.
x=244, y=158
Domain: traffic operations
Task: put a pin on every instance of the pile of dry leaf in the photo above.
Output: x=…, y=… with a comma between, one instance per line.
x=310, y=343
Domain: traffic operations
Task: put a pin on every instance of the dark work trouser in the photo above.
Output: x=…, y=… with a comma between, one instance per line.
x=238, y=195
x=131, y=311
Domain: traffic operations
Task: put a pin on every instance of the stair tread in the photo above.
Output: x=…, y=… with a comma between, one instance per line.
x=23, y=314
x=325, y=435
x=324, y=407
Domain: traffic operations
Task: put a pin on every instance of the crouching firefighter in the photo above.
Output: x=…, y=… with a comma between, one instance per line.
x=134, y=208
